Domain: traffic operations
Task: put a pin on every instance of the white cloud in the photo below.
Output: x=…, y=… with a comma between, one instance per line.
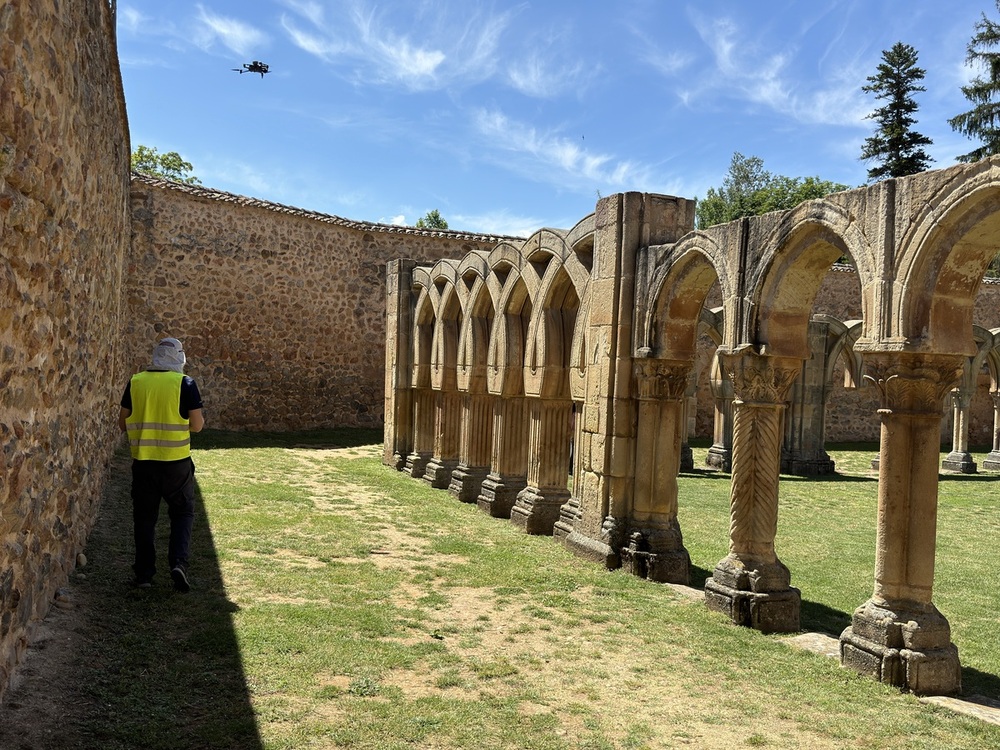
x=548, y=156
x=434, y=49
x=399, y=221
x=538, y=77
x=500, y=222
x=240, y=37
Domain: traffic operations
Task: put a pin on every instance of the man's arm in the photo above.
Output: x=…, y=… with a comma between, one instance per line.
x=196, y=420
x=123, y=413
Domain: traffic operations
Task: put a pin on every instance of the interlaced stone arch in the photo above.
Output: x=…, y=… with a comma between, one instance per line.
x=641, y=277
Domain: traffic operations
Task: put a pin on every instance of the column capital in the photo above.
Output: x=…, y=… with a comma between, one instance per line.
x=657, y=379
x=912, y=383
x=760, y=378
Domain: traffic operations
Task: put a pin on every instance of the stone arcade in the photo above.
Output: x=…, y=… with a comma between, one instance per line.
x=498, y=363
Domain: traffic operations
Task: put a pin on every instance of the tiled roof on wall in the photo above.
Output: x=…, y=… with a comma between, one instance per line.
x=242, y=200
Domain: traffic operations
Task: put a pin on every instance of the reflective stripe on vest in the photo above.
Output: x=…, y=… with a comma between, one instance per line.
x=156, y=430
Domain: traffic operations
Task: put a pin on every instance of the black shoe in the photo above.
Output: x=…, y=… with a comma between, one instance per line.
x=179, y=575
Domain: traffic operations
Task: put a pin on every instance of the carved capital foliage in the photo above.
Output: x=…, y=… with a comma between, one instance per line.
x=660, y=379
x=913, y=383
x=759, y=378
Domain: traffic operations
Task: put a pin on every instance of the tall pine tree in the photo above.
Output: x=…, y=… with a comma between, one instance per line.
x=983, y=120
x=895, y=146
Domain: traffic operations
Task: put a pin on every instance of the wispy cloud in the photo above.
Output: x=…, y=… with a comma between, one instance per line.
x=766, y=79
x=499, y=222
x=236, y=35
x=543, y=78
x=434, y=49
x=551, y=156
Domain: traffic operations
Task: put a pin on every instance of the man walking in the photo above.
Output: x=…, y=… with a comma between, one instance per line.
x=160, y=409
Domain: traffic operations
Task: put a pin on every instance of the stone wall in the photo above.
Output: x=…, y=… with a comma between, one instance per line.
x=64, y=153
x=281, y=310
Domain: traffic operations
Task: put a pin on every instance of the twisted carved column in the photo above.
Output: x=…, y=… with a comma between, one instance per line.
x=898, y=636
x=751, y=585
x=423, y=432
x=992, y=460
x=655, y=545
x=960, y=459
x=536, y=509
x=508, y=459
x=474, y=447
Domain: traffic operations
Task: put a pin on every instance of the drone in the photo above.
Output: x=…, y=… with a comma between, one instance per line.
x=253, y=67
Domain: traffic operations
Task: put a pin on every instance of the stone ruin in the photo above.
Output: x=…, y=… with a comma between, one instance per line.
x=504, y=366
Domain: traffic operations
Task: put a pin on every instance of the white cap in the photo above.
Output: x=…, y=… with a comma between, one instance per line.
x=169, y=355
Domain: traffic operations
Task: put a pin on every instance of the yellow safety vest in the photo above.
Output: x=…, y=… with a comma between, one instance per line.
x=156, y=430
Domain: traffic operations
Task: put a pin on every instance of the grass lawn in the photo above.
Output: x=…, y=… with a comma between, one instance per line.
x=340, y=604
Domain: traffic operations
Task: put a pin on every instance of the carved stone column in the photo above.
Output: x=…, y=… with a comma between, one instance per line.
x=474, y=447
x=423, y=432
x=536, y=509
x=898, y=636
x=720, y=454
x=655, y=545
x=447, y=427
x=571, y=511
x=509, y=458
x=803, y=452
x=992, y=460
x=751, y=585
x=960, y=459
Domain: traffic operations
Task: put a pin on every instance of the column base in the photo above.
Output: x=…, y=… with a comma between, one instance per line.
x=657, y=554
x=719, y=457
x=904, y=644
x=467, y=482
x=398, y=461
x=592, y=549
x=499, y=493
x=959, y=461
x=687, y=458
x=992, y=461
x=438, y=472
x=754, y=594
x=536, y=511
x=802, y=466
x=416, y=464
x=569, y=514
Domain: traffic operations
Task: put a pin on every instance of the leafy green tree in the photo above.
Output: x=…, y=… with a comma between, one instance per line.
x=982, y=122
x=170, y=166
x=896, y=147
x=750, y=190
x=432, y=220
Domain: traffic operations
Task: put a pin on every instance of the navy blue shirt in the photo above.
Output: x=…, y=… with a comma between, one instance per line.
x=190, y=397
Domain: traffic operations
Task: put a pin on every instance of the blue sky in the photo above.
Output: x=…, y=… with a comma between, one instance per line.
x=506, y=116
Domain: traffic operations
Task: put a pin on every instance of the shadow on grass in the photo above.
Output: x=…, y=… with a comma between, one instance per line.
x=315, y=439
x=975, y=682
x=164, y=669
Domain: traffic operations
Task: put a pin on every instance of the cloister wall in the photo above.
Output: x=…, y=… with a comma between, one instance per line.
x=281, y=310
x=64, y=154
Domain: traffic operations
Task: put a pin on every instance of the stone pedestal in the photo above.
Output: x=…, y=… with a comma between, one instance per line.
x=898, y=636
x=657, y=555
x=961, y=462
x=754, y=593
x=903, y=645
x=751, y=585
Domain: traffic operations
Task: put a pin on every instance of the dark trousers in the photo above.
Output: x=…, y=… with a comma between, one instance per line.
x=173, y=482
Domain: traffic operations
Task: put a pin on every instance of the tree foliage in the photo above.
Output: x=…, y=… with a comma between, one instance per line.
x=170, y=166
x=750, y=190
x=432, y=220
x=895, y=147
x=982, y=122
